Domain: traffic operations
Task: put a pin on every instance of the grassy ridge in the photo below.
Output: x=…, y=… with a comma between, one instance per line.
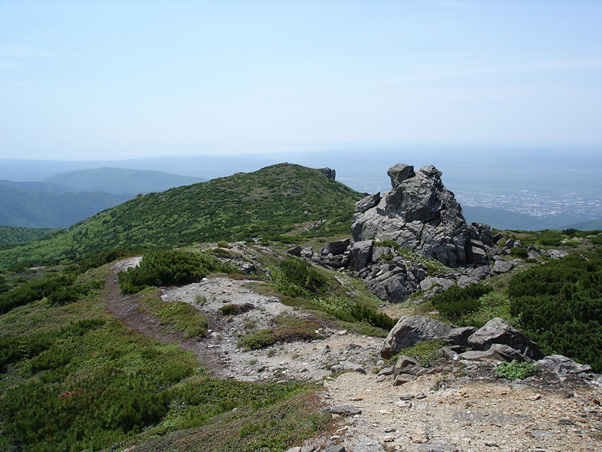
x=267, y=203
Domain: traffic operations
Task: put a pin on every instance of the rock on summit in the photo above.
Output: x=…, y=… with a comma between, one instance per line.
x=421, y=214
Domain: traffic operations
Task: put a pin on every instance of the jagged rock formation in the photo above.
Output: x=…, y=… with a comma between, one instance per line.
x=419, y=213
x=412, y=237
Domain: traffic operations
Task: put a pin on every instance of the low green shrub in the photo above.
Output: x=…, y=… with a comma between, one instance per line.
x=515, y=370
x=519, y=252
x=168, y=268
x=235, y=309
x=559, y=305
x=288, y=329
x=344, y=308
x=457, y=302
x=297, y=277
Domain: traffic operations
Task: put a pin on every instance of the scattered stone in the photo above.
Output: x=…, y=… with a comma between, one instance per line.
x=348, y=366
x=421, y=395
x=338, y=247
x=402, y=379
x=386, y=371
x=331, y=447
x=557, y=254
x=342, y=332
x=419, y=436
x=501, y=266
x=295, y=251
x=361, y=254
x=343, y=410
x=437, y=447
x=406, y=396
x=366, y=444
x=482, y=355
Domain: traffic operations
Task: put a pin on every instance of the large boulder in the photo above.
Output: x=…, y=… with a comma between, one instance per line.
x=498, y=331
x=410, y=330
x=421, y=214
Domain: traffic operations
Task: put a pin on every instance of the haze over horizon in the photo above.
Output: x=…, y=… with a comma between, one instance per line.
x=125, y=80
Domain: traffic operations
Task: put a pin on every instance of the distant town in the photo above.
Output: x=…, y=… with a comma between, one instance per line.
x=535, y=204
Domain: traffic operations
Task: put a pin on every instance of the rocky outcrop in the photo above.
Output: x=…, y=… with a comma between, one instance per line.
x=419, y=213
x=329, y=173
x=399, y=236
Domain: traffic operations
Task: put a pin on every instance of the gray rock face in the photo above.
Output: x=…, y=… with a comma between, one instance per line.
x=367, y=203
x=497, y=331
x=421, y=214
x=460, y=335
x=361, y=254
x=410, y=330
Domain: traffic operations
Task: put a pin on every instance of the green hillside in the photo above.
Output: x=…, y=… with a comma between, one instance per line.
x=120, y=180
x=11, y=235
x=267, y=203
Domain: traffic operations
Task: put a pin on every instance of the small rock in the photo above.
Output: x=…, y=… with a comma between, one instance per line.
x=535, y=397
x=438, y=447
x=342, y=332
x=365, y=444
x=343, y=410
x=406, y=396
x=421, y=395
x=401, y=379
x=419, y=436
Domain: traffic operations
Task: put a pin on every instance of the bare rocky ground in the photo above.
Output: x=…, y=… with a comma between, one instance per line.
x=433, y=412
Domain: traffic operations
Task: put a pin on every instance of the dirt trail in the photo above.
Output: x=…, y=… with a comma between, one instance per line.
x=126, y=308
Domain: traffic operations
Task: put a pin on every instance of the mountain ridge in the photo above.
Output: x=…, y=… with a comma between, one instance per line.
x=265, y=203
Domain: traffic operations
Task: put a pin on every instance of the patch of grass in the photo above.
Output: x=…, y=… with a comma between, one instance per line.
x=288, y=329
x=276, y=426
x=515, y=370
x=235, y=309
x=177, y=316
x=425, y=352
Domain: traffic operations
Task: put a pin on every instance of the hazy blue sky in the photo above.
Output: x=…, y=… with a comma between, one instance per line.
x=121, y=79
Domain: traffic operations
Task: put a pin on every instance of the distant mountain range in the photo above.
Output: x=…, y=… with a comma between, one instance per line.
x=62, y=200
x=45, y=209
x=120, y=180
